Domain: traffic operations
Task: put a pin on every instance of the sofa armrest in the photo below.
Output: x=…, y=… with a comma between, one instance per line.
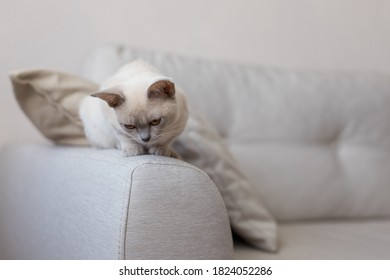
x=82, y=203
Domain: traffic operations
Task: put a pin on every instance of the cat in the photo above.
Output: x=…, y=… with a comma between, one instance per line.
x=137, y=110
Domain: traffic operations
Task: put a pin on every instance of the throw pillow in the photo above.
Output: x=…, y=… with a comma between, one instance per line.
x=50, y=100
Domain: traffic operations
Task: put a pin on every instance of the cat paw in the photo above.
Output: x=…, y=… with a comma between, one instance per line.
x=163, y=151
x=159, y=151
x=175, y=155
x=132, y=150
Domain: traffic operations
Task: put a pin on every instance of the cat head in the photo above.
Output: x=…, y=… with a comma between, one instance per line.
x=148, y=115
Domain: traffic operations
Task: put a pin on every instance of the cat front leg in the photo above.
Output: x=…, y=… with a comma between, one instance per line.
x=174, y=154
x=130, y=149
x=159, y=151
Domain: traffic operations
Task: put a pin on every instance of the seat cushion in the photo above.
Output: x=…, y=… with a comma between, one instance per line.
x=332, y=239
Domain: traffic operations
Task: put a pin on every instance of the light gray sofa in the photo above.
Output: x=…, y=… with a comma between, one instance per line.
x=315, y=145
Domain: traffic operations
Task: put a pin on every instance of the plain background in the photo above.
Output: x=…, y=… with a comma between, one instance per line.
x=346, y=35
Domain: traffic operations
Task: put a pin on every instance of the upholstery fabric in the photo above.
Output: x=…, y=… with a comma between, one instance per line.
x=353, y=239
x=175, y=208
x=81, y=203
x=50, y=100
x=314, y=144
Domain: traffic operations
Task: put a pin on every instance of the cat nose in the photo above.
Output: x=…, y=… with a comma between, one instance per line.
x=145, y=139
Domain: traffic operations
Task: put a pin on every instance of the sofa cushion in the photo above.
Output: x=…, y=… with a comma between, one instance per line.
x=315, y=145
x=327, y=240
x=320, y=147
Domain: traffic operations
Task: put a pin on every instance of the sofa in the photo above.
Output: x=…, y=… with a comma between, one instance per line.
x=314, y=145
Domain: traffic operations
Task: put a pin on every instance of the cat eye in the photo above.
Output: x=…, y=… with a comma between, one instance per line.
x=129, y=126
x=155, y=122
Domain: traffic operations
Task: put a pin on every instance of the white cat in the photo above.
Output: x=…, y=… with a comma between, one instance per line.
x=137, y=110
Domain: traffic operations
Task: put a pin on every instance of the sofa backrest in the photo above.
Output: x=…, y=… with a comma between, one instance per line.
x=315, y=145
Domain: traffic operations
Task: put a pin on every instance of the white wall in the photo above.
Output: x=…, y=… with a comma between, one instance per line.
x=318, y=34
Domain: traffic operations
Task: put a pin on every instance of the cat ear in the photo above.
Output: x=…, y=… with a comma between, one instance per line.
x=162, y=89
x=113, y=96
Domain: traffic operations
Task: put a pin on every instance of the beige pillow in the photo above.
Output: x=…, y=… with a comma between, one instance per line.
x=50, y=100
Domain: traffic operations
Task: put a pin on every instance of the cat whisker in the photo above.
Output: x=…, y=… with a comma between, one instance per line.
x=165, y=135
